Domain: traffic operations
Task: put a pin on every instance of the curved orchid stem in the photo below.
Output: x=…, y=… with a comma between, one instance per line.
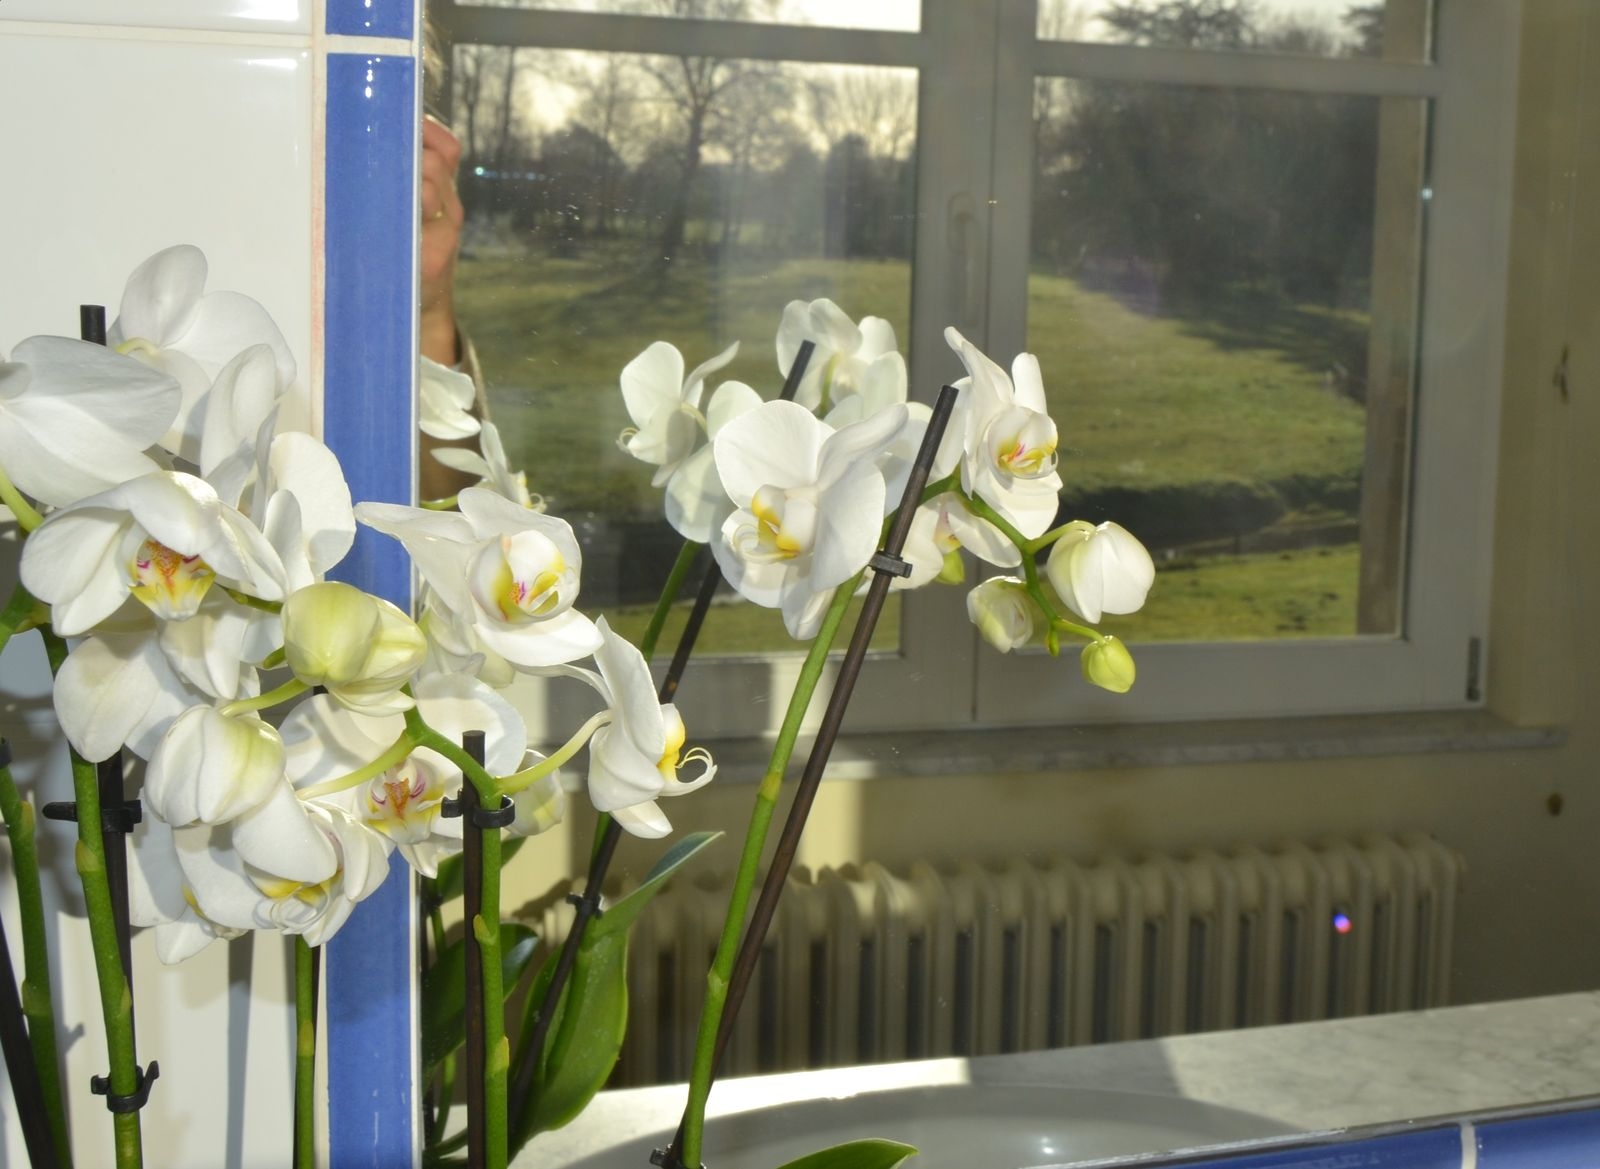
x=251, y=602
x=27, y=517
x=396, y=753
x=448, y=503
x=1030, y=570
x=669, y=593
x=519, y=781
x=293, y=688
x=116, y=997
x=694, y=1115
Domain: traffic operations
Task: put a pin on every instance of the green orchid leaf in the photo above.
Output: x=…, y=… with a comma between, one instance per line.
x=622, y=913
x=586, y=1032
x=586, y=1035
x=444, y=989
x=872, y=1153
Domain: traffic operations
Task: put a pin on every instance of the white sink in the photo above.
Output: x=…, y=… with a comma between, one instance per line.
x=964, y=1126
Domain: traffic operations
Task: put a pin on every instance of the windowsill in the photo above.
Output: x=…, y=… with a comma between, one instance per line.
x=1177, y=744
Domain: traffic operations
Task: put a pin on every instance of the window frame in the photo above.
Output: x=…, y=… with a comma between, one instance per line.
x=969, y=267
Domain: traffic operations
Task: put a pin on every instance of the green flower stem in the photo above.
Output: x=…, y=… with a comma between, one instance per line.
x=38, y=1003
x=23, y=611
x=293, y=688
x=496, y=1047
x=116, y=997
x=248, y=601
x=1040, y=543
x=448, y=503
x=447, y=1068
x=521, y=780
x=422, y=735
x=694, y=1114
x=27, y=517
x=305, y=1056
x=669, y=593
x=396, y=753
x=486, y=929
x=274, y=659
x=1030, y=570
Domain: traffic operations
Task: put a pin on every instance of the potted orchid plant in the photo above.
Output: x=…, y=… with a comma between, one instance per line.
x=291, y=733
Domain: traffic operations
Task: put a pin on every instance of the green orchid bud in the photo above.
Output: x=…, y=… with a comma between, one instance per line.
x=1003, y=612
x=360, y=647
x=1108, y=664
x=954, y=569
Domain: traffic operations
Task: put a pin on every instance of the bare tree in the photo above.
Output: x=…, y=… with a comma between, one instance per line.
x=878, y=106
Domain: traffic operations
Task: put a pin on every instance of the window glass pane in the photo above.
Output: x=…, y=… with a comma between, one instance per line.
x=1231, y=279
x=614, y=200
x=901, y=15
x=1397, y=29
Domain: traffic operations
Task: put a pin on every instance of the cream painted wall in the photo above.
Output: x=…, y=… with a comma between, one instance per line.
x=1530, y=912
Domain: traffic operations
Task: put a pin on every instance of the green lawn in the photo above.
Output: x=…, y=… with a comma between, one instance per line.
x=1174, y=416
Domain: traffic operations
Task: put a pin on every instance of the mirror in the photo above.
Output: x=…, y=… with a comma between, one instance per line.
x=1282, y=263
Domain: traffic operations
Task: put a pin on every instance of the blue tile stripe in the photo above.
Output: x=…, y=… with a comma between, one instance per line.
x=370, y=350
x=1433, y=1148
x=1563, y=1140
x=372, y=18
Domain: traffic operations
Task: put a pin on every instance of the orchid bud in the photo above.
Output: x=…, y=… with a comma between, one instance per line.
x=1108, y=664
x=360, y=647
x=1003, y=612
x=1097, y=570
x=210, y=767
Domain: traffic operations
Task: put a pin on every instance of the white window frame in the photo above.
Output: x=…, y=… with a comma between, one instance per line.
x=970, y=264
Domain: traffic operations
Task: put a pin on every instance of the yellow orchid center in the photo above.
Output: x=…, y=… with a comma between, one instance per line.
x=522, y=578
x=169, y=583
x=785, y=525
x=402, y=802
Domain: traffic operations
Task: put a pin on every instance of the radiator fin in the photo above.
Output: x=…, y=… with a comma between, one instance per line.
x=864, y=964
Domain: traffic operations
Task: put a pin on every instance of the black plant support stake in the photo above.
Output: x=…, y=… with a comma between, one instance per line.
x=588, y=903
x=24, y=1074
x=885, y=566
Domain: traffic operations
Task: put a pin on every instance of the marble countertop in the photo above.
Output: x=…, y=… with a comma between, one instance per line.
x=1311, y=1077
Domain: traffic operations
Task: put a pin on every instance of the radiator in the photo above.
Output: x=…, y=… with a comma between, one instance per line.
x=865, y=965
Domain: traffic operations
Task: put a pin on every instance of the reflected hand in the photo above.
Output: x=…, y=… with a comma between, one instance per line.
x=440, y=241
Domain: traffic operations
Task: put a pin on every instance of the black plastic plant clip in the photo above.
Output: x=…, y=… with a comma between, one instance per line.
x=486, y=818
x=101, y=1086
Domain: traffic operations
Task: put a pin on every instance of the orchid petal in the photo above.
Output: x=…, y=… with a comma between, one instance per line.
x=162, y=297
x=278, y=837
x=777, y=444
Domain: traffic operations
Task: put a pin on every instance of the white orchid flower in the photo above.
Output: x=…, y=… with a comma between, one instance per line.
x=696, y=503
x=849, y=359
x=361, y=648
x=1003, y=612
x=635, y=758
x=491, y=467
x=445, y=398
x=234, y=892
x=324, y=741
x=159, y=897
x=76, y=419
x=163, y=538
x=1097, y=570
x=665, y=406
x=211, y=767
x=1007, y=438
x=169, y=322
x=234, y=416
x=502, y=577
x=810, y=502
x=302, y=504
x=126, y=684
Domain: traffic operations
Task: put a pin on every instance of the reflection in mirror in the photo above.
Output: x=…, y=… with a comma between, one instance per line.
x=1223, y=272
x=612, y=200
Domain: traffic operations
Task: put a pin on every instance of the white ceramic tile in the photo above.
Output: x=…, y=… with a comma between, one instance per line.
x=116, y=149
x=279, y=16
x=129, y=147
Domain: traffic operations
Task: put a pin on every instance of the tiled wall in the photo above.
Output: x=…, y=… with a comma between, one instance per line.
x=132, y=125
